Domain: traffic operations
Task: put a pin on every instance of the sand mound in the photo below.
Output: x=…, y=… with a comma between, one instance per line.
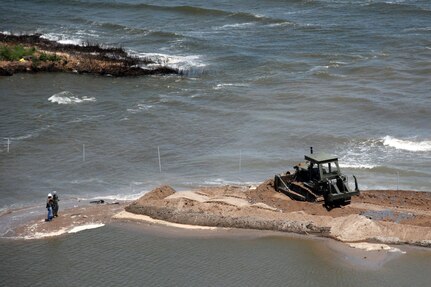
x=354, y=228
x=266, y=186
x=157, y=193
x=264, y=208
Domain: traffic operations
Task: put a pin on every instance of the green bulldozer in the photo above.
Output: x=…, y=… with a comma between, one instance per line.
x=317, y=179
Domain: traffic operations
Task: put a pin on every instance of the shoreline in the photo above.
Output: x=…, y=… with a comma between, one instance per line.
x=49, y=56
x=366, y=234
x=87, y=216
x=367, y=219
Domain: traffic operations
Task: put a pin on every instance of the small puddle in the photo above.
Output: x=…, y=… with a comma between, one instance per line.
x=387, y=214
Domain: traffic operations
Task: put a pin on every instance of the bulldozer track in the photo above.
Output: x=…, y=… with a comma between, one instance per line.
x=305, y=190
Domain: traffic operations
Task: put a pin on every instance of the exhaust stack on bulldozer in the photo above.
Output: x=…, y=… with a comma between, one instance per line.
x=318, y=179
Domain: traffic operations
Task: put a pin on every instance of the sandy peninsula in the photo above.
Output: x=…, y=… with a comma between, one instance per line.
x=33, y=53
x=372, y=220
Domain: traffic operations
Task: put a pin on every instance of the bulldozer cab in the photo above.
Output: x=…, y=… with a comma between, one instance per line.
x=322, y=167
x=319, y=178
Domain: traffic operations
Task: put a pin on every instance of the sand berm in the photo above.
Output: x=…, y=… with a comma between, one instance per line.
x=375, y=216
x=391, y=217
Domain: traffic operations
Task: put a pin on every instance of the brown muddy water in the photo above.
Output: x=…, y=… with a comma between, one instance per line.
x=123, y=254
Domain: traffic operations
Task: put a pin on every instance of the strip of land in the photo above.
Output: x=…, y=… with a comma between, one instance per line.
x=32, y=53
x=376, y=216
x=390, y=217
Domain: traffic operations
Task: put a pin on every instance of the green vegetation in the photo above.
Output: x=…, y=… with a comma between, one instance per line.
x=18, y=52
x=14, y=53
x=49, y=57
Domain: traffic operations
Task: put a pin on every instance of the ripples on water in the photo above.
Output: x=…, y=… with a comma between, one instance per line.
x=262, y=82
x=114, y=255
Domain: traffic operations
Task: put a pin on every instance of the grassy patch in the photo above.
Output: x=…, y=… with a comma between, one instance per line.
x=17, y=52
x=14, y=53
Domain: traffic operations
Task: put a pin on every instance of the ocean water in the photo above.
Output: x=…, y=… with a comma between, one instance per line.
x=129, y=255
x=261, y=82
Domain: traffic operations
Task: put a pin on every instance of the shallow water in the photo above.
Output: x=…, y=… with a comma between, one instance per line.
x=129, y=255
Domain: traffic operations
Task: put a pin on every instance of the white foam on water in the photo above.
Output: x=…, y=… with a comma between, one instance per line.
x=124, y=197
x=31, y=134
x=361, y=155
x=134, y=191
x=282, y=24
x=40, y=235
x=70, y=42
x=408, y=145
x=62, y=39
x=139, y=108
x=183, y=64
x=221, y=182
x=357, y=166
x=110, y=198
x=235, y=26
x=319, y=68
x=223, y=85
x=85, y=227
x=67, y=98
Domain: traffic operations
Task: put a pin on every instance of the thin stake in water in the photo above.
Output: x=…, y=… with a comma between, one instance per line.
x=83, y=152
x=240, y=159
x=8, y=144
x=160, y=163
x=398, y=179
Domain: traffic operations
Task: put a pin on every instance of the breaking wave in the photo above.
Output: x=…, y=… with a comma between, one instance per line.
x=67, y=98
x=379, y=154
x=408, y=145
x=62, y=39
x=357, y=166
x=188, y=65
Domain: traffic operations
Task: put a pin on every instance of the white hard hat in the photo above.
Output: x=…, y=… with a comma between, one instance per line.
x=49, y=195
x=54, y=191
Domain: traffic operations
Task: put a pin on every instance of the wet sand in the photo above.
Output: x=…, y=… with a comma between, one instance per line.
x=70, y=220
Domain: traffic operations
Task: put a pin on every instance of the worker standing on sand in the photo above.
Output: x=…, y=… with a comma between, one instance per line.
x=55, y=200
x=49, y=205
